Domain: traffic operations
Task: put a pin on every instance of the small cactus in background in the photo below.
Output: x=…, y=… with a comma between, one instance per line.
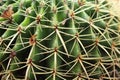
x=59, y=40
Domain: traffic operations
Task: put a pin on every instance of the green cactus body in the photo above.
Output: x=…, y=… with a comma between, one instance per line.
x=59, y=40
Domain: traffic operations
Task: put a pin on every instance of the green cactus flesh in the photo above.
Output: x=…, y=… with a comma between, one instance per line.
x=59, y=40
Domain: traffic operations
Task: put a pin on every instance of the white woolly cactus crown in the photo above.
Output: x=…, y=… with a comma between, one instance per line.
x=115, y=5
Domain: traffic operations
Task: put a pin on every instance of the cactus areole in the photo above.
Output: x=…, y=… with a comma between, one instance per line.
x=59, y=40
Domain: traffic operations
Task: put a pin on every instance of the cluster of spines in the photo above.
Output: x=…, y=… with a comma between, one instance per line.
x=59, y=40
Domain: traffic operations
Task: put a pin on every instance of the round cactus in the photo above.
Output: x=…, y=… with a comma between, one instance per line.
x=59, y=40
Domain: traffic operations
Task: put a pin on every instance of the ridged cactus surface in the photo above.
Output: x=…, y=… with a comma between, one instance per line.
x=59, y=40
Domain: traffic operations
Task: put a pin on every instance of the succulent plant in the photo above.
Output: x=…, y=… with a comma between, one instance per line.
x=59, y=40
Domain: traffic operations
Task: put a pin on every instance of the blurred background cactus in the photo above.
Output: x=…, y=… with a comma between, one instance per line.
x=59, y=40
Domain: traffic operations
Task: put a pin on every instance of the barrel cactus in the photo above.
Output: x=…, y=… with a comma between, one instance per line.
x=59, y=40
